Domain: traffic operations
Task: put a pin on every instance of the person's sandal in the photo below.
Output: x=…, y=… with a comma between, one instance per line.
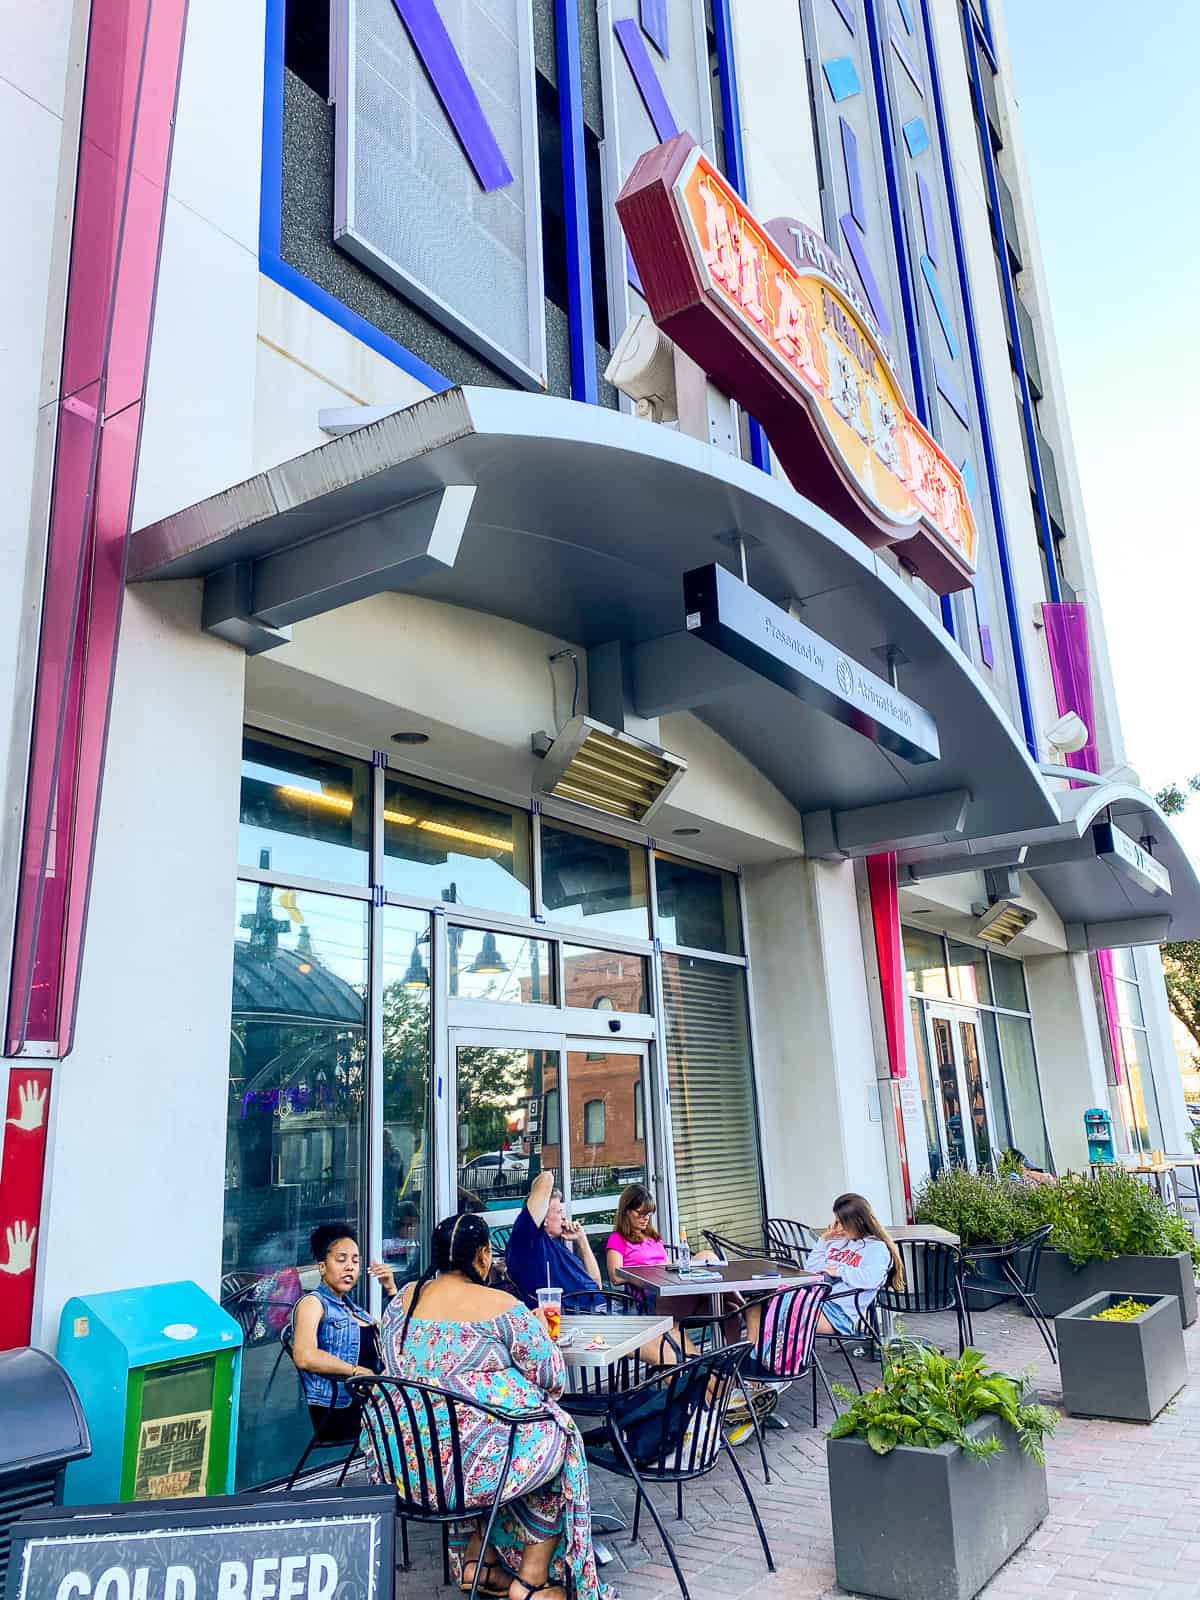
x=487, y=1584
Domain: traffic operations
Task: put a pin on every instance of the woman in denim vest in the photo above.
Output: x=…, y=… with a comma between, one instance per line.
x=332, y=1337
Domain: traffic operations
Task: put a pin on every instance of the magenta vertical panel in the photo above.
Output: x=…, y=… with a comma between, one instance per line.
x=1108, y=988
x=1071, y=671
x=131, y=83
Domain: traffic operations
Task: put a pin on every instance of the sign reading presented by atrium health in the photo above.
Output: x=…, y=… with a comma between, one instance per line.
x=734, y=618
x=780, y=328
x=1126, y=856
x=323, y=1546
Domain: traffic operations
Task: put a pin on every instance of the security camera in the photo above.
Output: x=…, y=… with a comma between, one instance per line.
x=643, y=369
x=1069, y=733
x=613, y=1025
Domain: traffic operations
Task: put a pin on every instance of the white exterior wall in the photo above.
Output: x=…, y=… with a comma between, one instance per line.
x=135, y=1185
x=1066, y=1035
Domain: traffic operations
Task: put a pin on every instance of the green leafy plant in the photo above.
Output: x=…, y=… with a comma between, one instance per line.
x=928, y=1399
x=1123, y=1311
x=1110, y=1213
x=1194, y=1139
x=979, y=1207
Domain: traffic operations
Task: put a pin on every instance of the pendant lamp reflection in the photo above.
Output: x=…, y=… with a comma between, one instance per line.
x=488, y=960
x=417, y=976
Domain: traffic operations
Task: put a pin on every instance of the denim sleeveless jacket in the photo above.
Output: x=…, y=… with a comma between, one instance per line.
x=338, y=1335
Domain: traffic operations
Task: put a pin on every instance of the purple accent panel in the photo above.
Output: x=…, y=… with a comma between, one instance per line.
x=951, y=394
x=453, y=88
x=1071, y=671
x=1108, y=989
x=900, y=46
x=632, y=273
x=857, y=246
x=858, y=209
x=928, y=220
x=654, y=24
x=644, y=75
x=987, y=649
x=845, y=10
x=130, y=86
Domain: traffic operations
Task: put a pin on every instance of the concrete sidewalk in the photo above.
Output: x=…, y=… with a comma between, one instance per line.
x=1124, y=1514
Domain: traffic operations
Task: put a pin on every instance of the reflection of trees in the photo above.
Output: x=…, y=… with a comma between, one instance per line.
x=490, y=1080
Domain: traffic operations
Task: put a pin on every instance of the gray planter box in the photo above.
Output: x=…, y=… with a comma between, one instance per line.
x=930, y=1524
x=1124, y=1370
x=1060, y=1285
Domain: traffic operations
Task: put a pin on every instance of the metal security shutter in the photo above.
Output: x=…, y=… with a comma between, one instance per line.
x=713, y=1121
x=16, y=1498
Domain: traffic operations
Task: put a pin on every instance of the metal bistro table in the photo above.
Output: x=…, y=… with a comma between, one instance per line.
x=622, y=1336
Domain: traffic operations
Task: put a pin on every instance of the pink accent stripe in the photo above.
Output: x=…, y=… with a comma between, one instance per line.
x=1108, y=989
x=885, y=915
x=1071, y=672
x=131, y=84
x=26, y=1117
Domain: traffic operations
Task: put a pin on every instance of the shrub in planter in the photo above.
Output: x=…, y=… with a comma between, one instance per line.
x=935, y=1477
x=979, y=1207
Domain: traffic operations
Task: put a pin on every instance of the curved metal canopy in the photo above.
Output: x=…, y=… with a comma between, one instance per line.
x=581, y=522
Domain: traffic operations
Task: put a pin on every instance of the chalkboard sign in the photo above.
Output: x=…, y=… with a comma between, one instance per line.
x=312, y=1546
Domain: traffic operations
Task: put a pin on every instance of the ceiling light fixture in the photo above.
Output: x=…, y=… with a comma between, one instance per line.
x=410, y=736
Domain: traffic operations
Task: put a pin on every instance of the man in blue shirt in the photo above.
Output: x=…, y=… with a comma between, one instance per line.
x=541, y=1251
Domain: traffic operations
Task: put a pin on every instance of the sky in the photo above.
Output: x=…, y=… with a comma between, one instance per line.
x=1110, y=113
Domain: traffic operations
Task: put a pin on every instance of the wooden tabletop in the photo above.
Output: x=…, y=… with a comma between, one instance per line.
x=622, y=1336
x=754, y=1274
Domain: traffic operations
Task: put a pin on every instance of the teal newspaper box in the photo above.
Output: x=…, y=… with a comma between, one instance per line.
x=157, y=1371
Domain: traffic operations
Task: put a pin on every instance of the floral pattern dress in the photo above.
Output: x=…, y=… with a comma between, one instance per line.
x=507, y=1362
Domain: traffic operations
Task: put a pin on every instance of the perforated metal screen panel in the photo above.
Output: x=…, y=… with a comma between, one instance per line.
x=409, y=203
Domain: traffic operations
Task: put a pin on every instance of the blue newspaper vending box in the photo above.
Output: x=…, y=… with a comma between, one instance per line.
x=1097, y=1122
x=157, y=1371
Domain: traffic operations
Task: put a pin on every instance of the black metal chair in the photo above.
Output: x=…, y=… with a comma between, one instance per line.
x=785, y=1350
x=320, y=1436
x=860, y=1302
x=790, y=1241
x=671, y=1430
x=932, y=1284
x=1018, y=1264
x=428, y=1487
x=500, y=1238
x=730, y=1249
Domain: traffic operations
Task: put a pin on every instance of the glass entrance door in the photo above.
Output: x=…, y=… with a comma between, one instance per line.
x=525, y=1104
x=961, y=1075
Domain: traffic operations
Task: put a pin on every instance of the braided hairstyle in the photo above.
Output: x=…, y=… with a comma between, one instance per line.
x=456, y=1243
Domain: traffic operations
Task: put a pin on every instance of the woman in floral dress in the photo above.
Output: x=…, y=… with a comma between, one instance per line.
x=451, y=1330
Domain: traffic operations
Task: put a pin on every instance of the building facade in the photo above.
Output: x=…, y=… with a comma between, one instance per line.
x=378, y=832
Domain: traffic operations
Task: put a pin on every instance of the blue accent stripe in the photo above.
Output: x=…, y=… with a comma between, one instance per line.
x=939, y=305
x=854, y=187
x=842, y=77
x=1011, y=610
x=1045, y=531
x=906, y=14
x=735, y=165
x=271, y=263
x=928, y=221
x=580, y=311
x=644, y=75
x=916, y=136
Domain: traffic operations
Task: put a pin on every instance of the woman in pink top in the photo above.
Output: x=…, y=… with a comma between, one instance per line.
x=636, y=1242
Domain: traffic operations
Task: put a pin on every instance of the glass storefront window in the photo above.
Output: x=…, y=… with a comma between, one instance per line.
x=597, y=883
x=1147, y=1125
x=933, y=1137
x=1123, y=964
x=408, y=1189
x=925, y=962
x=604, y=980
x=304, y=812
x=969, y=974
x=504, y=1112
x=1129, y=1003
x=1008, y=982
x=442, y=846
x=607, y=1139
x=713, y=1118
x=296, y=1134
x=505, y=967
x=1023, y=1095
x=697, y=906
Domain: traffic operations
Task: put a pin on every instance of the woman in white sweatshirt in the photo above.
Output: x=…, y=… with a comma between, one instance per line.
x=858, y=1255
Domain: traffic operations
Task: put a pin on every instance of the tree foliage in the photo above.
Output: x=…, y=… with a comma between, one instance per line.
x=1181, y=961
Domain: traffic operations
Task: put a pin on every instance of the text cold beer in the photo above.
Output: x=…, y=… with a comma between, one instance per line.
x=307, y=1577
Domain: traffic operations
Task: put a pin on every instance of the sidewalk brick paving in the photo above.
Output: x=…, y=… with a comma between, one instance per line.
x=1124, y=1509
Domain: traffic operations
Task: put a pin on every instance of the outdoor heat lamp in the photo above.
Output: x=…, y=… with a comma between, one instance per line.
x=1003, y=917
x=593, y=765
